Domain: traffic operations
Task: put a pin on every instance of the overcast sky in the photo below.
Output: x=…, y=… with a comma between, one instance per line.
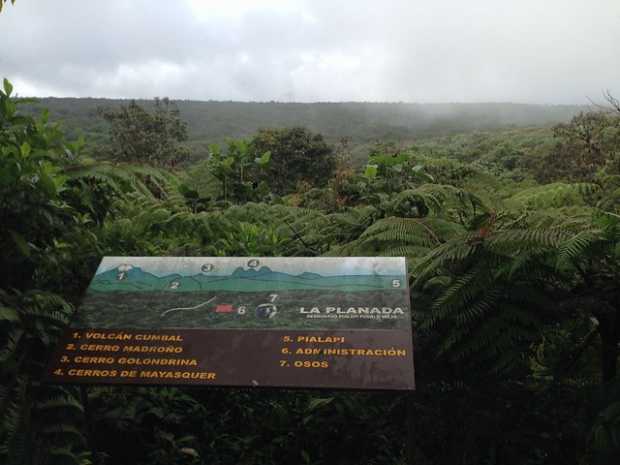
x=538, y=51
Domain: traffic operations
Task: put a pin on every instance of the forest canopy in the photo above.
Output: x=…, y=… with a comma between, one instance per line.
x=512, y=239
x=508, y=216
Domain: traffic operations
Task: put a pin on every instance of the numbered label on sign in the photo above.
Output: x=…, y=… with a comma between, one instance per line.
x=207, y=267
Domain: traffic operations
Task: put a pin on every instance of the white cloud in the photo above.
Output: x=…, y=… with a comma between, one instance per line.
x=556, y=51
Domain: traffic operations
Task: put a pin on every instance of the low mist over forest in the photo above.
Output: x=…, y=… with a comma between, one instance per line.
x=360, y=123
x=215, y=121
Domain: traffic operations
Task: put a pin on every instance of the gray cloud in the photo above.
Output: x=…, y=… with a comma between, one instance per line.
x=552, y=51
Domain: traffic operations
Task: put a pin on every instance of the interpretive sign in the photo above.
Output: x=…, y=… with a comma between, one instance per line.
x=287, y=322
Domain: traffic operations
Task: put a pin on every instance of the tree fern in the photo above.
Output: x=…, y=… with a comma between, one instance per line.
x=479, y=305
x=418, y=234
x=553, y=195
x=124, y=178
x=32, y=415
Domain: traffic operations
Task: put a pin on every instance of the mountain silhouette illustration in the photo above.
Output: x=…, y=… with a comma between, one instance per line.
x=240, y=272
x=240, y=280
x=309, y=275
x=134, y=273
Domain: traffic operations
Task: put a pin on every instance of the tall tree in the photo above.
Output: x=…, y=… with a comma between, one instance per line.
x=142, y=136
x=585, y=145
x=296, y=155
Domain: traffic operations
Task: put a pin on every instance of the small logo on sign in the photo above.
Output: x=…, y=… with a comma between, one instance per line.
x=207, y=267
x=266, y=311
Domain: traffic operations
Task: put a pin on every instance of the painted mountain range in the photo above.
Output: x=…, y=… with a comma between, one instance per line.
x=240, y=280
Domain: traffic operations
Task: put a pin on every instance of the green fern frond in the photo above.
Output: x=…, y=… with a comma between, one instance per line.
x=553, y=195
x=11, y=344
x=410, y=251
x=15, y=432
x=575, y=246
x=453, y=251
x=65, y=456
x=62, y=403
x=507, y=241
x=67, y=433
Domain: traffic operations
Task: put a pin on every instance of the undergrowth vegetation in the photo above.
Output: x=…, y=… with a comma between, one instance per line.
x=514, y=289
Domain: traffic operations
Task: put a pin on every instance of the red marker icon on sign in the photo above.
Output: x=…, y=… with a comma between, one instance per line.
x=224, y=308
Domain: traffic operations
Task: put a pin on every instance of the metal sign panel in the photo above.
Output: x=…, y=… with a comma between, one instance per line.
x=289, y=322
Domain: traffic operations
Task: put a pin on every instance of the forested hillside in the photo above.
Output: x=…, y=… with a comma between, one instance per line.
x=360, y=123
x=512, y=239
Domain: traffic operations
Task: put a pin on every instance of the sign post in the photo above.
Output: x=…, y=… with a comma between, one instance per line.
x=280, y=322
x=336, y=323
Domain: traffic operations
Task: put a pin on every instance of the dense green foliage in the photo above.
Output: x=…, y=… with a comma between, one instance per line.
x=143, y=137
x=297, y=156
x=514, y=289
x=362, y=123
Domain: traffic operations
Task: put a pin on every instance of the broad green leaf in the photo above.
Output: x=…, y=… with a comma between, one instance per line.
x=47, y=183
x=214, y=150
x=264, y=159
x=319, y=402
x=25, y=149
x=8, y=87
x=190, y=451
x=9, y=107
x=371, y=171
x=8, y=314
